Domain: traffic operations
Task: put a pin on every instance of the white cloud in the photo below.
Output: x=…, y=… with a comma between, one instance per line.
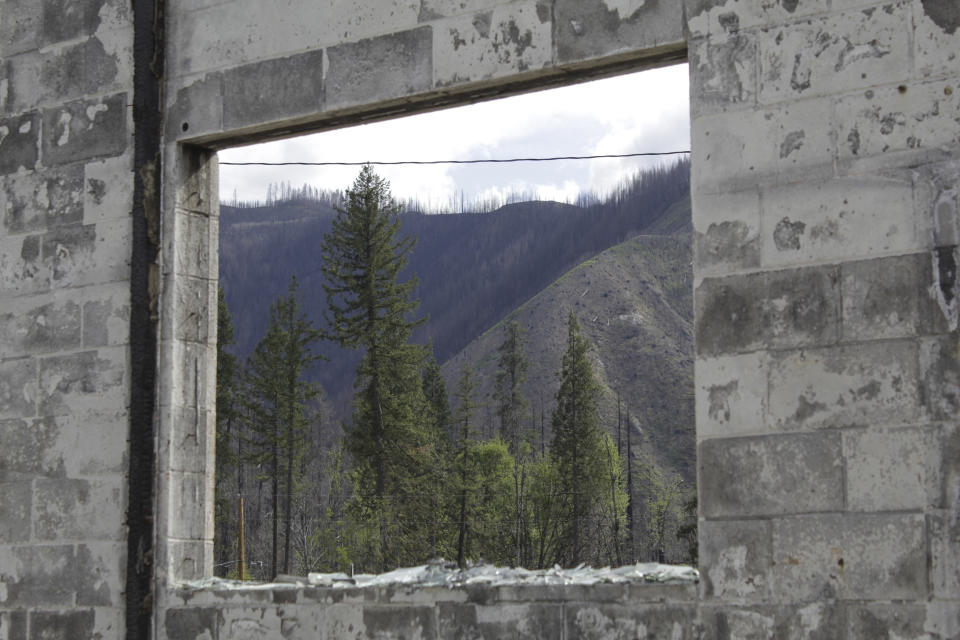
x=639, y=112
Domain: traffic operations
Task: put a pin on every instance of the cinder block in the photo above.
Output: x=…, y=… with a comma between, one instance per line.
x=940, y=374
x=718, y=17
x=435, y=9
x=68, y=624
x=22, y=270
x=731, y=395
x=106, y=316
x=85, y=129
x=385, y=67
x=273, y=90
x=944, y=528
x=886, y=297
x=505, y=40
x=188, y=505
x=101, y=567
x=532, y=620
x=936, y=37
x=20, y=25
x=18, y=388
x=849, y=556
x=821, y=620
x=585, y=29
x=193, y=317
x=13, y=624
x=190, y=623
x=15, y=502
x=726, y=231
x=91, y=441
x=723, y=72
x=194, y=248
x=837, y=220
x=41, y=200
x=892, y=469
x=911, y=116
x=774, y=309
x=738, y=150
x=735, y=559
x=197, y=181
x=198, y=108
x=108, y=189
x=836, y=53
x=81, y=255
x=24, y=449
x=770, y=475
x=949, y=448
x=66, y=509
x=870, y=384
x=38, y=576
x=19, y=142
x=601, y=621
x=83, y=381
x=887, y=620
x=192, y=434
x=187, y=559
x=69, y=19
x=29, y=328
x=55, y=75
x=407, y=621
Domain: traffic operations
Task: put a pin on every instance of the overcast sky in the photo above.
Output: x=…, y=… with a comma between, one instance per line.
x=639, y=112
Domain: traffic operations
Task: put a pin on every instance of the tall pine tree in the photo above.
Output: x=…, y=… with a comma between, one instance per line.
x=370, y=309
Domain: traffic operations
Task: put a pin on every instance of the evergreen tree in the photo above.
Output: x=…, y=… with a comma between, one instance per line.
x=369, y=309
x=511, y=374
x=578, y=450
x=227, y=456
x=280, y=404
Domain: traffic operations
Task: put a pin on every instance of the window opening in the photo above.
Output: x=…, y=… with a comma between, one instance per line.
x=555, y=313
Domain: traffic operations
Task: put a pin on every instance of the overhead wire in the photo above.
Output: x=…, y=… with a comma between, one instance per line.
x=472, y=161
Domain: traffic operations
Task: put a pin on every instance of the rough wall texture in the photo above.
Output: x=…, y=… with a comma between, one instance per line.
x=826, y=142
x=826, y=149
x=65, y=202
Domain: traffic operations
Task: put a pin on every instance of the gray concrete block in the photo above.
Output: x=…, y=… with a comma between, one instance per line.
x=197, y=171
x=69, y=249
x=66, y=509
x=735, y=559
x=69, y=19
x=936, y=37
x=76, y=624
x=85, y=129
x=887, y=620
x=869, y=384
x=726, y=231
x=30, y=329
x=503, y=40
x=833, y=54
x=106, y=317
x=189, y=503
x=25, y=447
x=944, y=532
x=38, y=576
x=601, y=621
x=196, y=245
x=585, y=29
x=80, y=255
x=108, y=189
x=940, y=375
x=773, y=309
x=723, y=71
x=194, y=312
x=886, y=297
x=15, y=503
x=849, y=556
x=782, y=144
x=20, y=25
x=908, y=117
x=949, y=448
x=22, y=270
x=837, y=220
x=813, y=621
x=191, y=431
x=52, y=76
x=717, y=17
x=399, y=621
x=13, y=624
x=770, y=475
x=198, y=108
x=731, y=395
x=19, y=142
x=273, y=90
x=466, y=620
x=18, y=388
x=394, y=65
x=41, y=200
x=101, y=567
x=191, y=624
x=892, y=469
x=87, y=380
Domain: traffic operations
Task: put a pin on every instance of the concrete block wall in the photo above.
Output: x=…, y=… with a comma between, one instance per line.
x=826, y=150
x=65, y=222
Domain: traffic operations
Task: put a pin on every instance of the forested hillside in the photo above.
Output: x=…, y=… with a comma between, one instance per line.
x=473, y=268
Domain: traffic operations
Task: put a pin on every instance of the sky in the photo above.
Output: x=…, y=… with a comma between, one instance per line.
x=639, y=112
